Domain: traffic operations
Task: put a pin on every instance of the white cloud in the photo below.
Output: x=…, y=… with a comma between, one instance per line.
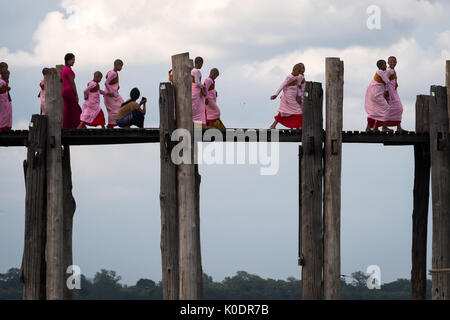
x=149, y=32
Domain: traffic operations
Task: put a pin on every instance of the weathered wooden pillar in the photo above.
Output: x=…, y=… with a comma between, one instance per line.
x=33, y=265
x=312, y=175
x=69, y=206
x=334, y=72
x=189, y=226
x=300, y=250
x=168, y=196
x=421, y=201
x=55, y=257
x=440, y=180
x=447, y=84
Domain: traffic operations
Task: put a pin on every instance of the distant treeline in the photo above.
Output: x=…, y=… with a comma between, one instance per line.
x=243, y=286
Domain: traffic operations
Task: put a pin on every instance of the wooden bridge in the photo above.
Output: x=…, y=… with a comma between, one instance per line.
x=50, y=205
x=89, y=137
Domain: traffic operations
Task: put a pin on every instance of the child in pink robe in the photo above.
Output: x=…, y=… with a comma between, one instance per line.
x=198, y=95
x=291, y=106
x=212, y=109
x=92, y=114
x=113, y=100
x=396, y=111
x=377, y=97
x=5, y=102
x=41, y=94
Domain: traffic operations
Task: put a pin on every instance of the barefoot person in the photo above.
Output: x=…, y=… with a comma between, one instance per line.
x=290, y=113
x=113, y=100
x=41, y=94
x=198, y=95
x=5, y=102
x=72, y=110
x=377, y=97
x=92, y=114
x=212, y=109
x=130, y=113
x=394, y=118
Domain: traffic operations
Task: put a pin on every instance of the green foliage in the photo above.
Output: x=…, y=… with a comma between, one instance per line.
x=243, y=286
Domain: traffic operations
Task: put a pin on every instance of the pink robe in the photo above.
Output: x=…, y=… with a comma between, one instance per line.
x=114, y=103
x=72, y=110
x=198, y=100
x=376, y=105
x=42, y=96
x=5, y=107
x=91, y=107
x=212, y=109
x=292, y=88
x=396, y=111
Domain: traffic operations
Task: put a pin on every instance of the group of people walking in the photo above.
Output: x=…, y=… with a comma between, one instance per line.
x=382, y=101
x=383, y=105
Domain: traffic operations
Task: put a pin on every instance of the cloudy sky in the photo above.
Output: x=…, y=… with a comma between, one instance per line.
x=249, y=222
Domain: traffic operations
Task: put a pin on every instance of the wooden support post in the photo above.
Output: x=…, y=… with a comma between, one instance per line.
x=189, y=226
x=55, y=258
x=69, y=211
x=333, y=167
x=440, y=180
x=300, y=250
x=447, y=84
x=33, y=264
x=421, y=202
x=168, y=196
x=312, y=175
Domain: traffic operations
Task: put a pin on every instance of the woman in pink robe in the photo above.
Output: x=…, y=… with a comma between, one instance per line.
x=92, y=114
x=376, y=102
x=290, y=112
x=113, y=100
x=198, y=95
x=396, y=111
x=5, y=102
x=41, y=95
x=72, y=110
x=212, y=109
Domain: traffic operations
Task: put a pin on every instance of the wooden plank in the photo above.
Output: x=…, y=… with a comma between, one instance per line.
x=332, y=179
x=69, y=206
x=421, y=203
x=34, y=265
x=138, y=136
x=189, y=228
x=440, y=181
x=312, y=175
x=55, y=259
x=168, y=196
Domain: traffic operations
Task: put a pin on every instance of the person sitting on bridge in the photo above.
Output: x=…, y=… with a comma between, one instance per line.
x=291, y=107
x=130, y=113
x=92, y=114
x=377, y=97
x=212, y=109
x=5, y=102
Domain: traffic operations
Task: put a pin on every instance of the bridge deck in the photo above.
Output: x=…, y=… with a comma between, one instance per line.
x=135, y=136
